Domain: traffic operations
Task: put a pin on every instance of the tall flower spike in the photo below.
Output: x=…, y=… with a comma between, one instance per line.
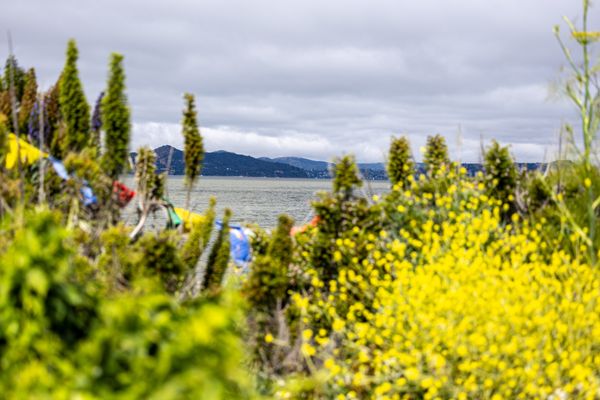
x=28, y=101
x=345, y=176
x=97, y=122
x=436, y=155
x=116, y=120
x=218, y=260
x=400, y=164
x=194, y=148
x=73, y=104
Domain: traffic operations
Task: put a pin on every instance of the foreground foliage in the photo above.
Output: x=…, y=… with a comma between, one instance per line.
x=91, y=308
x=448, y=286
x=66, y=335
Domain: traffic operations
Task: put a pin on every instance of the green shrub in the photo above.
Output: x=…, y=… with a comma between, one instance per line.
x=44, y=312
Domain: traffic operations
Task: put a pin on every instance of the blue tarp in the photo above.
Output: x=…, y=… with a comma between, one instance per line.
x=239, y=244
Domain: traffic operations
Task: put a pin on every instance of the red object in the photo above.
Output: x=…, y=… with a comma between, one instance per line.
x=123, y=194
x=303, y=228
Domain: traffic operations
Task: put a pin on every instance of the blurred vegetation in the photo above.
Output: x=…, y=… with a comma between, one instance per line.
x=91, y=308
x=448, y=286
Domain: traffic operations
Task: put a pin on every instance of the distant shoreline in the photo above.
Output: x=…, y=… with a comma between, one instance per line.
x=232, y=177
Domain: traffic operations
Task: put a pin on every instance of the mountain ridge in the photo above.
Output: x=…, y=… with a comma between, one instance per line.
x=225, y=163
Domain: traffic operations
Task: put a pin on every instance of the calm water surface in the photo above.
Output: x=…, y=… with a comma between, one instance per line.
x=258, y=200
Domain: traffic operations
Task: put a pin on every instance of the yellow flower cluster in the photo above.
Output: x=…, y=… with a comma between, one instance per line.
x=454, y=303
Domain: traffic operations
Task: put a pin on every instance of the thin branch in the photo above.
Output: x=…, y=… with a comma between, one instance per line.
x=567, y=54
x=169, y=159
x=42, y=194
x=13, y=101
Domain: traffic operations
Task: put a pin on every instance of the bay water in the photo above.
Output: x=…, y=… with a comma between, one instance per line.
x=252, y=200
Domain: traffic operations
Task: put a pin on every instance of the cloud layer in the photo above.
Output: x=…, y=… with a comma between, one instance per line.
x=315, y=79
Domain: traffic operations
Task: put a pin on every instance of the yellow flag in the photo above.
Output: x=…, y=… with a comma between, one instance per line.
x=29, y=154
x=189, y=218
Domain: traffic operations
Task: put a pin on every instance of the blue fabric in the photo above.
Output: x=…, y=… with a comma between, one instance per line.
x=86, y=191
x=239, y=245
x=59, y=167
x=89, y=197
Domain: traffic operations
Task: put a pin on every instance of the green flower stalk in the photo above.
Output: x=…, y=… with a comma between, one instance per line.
x=18, y=77
x=500, y=175
x=52, y=116
x=345, y=176
x=3, y=139
x=194, y=148
x=218, y=260
x=145, y=171
x=116, y=120
x=150, y=186
x=400, y=164
x=28, y=100
x=158, y=183
x=15, y=74
x=95, y=139
x=73, y=104
x=280, y=248
x=5, y=107
x=436, y=155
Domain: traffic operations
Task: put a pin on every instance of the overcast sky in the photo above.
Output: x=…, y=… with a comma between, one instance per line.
x=317, y=78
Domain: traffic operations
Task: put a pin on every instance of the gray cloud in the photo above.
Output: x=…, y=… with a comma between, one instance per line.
x=313, y=78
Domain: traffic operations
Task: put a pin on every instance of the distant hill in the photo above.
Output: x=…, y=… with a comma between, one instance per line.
x=299, y=162
x=320, y=169
x=372, y=166
x=313, y=165
x=224, y=163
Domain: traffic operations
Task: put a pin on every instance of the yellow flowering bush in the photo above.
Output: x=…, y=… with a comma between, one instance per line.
x=448, y=301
